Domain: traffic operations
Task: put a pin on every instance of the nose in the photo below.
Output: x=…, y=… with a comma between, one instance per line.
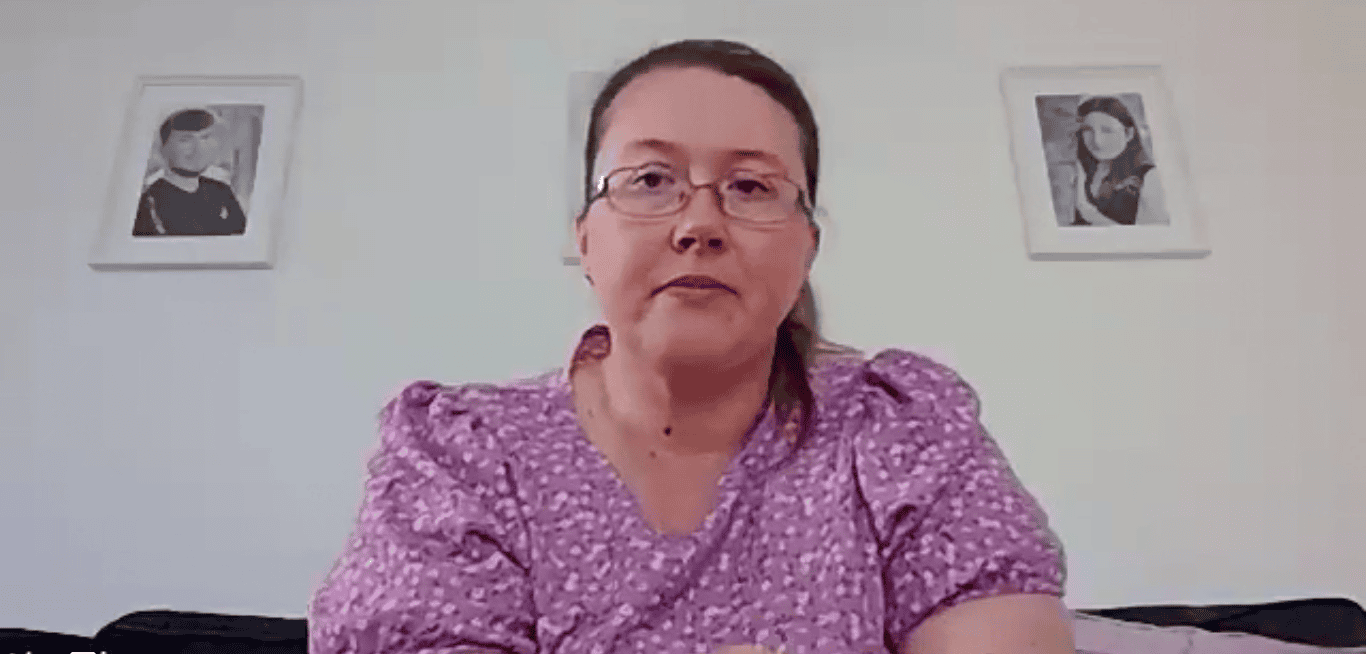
x=703, y=222
x=706, y=230
x=682, y=243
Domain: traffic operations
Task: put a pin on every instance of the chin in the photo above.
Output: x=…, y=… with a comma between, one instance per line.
x=695, y=348
x=696, y=344
x=697, y=361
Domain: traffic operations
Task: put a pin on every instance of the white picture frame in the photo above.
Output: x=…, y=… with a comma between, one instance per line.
x=248, y=146
x=1143, y=207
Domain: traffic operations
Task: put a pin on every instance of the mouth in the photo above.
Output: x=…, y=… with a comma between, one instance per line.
x=695, y=281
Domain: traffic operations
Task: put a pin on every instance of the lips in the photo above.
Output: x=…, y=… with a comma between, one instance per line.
x=696, y=281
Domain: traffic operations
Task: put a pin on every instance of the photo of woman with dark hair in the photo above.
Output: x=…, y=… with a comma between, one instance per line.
x=1116, y=179
x=1099, y=164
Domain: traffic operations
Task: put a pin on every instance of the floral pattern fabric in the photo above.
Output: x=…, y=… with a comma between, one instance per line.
x=491, y=524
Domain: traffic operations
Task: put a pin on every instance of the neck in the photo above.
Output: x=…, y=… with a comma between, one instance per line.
x=684, y=409
x=183, y=179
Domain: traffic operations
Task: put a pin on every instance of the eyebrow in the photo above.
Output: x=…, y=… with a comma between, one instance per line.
x=731, y=155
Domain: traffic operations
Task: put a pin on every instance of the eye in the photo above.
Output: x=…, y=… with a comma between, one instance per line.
x=653, y=177
x=650, y=179
x=751, y=186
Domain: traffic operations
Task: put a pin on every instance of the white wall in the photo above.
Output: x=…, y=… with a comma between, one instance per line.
x=196, y=440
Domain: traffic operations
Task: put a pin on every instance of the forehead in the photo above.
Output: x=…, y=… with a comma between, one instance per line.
x=698, y=113
x=182, y=133
x=1102, y=119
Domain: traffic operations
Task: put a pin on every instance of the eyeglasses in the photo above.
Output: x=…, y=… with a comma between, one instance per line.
x=657, y=190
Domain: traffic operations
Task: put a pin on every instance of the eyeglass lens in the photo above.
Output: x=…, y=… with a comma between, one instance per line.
x=655, y=191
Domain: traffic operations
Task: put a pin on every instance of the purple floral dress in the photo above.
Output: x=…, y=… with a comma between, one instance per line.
x=491, y=524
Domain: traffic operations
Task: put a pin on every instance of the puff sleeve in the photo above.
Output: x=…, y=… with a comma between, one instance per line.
x=438, y=560
x=952, y=520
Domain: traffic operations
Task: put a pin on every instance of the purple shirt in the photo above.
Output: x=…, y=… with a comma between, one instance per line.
x=491, y=523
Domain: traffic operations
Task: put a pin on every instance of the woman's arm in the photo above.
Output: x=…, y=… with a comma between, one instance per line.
x=986, y=599
x=1009, y=624
x=1088, y=211
x=431, y=528
x=1092, y=215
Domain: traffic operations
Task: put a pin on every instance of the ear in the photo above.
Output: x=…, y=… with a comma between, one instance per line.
x=581, y=241
x=581, y=237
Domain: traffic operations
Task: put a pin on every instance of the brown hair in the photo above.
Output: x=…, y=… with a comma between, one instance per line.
x=799, y=342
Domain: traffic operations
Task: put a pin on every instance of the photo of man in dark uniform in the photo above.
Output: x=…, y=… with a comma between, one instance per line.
x=184, y=202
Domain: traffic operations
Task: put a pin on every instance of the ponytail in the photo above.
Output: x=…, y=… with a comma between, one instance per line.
x=798, y=348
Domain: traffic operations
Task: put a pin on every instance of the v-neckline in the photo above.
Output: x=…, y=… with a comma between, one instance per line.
x=732, y=479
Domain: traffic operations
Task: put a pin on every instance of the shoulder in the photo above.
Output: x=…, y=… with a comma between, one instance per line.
x=442, y=468
x=1151, y=184
x=916, y=433
x=911, y=369
x=466, y=414
x=214, y=185
x=894, y=393
x=157, y=187
x=428, y=403
x=918, y=383
x=1148, y=173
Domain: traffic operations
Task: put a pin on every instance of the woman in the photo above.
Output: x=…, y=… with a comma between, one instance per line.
x=1117, y=183
x=704, y=475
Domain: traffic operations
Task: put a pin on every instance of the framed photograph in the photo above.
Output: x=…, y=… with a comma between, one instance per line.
x=1100, y=165
x=199, y=177
x=583, y=90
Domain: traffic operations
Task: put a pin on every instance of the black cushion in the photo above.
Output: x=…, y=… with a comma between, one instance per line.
x=19, y=641
x=186, y=632
x=1327, y=622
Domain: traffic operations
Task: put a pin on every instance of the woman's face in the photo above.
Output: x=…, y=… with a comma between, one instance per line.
x=697, y=118
x=1104, y=135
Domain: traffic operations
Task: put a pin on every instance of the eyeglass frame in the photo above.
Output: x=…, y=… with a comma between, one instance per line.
x=802, y=205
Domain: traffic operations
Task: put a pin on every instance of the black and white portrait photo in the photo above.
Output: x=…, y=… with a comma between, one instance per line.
x=1100, y=160
x=200, y=175
x=200, y=172
x=1099, y=164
